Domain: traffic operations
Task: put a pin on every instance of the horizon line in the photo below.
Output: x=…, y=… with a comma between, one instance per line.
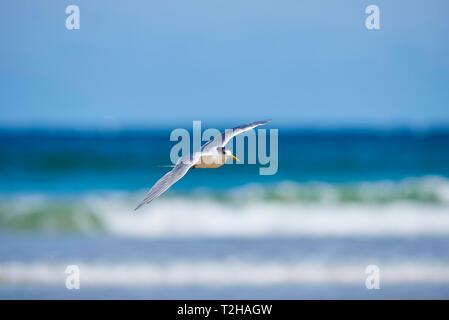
x=444, y=126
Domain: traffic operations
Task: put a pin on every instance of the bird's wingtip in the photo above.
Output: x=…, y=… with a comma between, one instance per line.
x=138, y=207
x=264, y=121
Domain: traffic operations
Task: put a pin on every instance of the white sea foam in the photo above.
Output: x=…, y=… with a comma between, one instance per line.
x=185, y=218
x=413, y=207
x=222, y=273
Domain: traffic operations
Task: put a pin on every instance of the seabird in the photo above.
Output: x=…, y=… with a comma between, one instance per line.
x=213, y=154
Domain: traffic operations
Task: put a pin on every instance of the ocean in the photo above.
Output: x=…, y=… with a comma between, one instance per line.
x=341, y=201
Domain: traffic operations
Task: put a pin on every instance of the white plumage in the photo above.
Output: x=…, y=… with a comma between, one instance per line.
x=212, y=155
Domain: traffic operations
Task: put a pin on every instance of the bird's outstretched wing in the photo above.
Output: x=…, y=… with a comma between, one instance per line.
x=229, y=134
x=170, y=178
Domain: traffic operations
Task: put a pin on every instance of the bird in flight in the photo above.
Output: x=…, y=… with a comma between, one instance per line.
x=212, y=154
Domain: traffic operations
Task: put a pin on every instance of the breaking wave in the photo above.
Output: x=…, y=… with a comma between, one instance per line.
x=417, y=206
x=220, y=273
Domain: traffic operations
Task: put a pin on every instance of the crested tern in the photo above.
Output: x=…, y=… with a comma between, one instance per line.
x=212, y=154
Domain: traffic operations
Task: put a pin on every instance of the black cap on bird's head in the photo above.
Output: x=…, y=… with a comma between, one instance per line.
x=227, y=153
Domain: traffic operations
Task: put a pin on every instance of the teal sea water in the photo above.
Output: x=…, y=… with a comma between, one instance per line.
x=342, y=199
x=80, y=161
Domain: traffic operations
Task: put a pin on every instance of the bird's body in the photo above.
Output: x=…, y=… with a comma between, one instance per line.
x=211, y=161
x=213, y=155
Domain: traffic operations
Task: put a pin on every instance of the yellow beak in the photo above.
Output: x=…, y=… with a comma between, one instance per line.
x=235, y=158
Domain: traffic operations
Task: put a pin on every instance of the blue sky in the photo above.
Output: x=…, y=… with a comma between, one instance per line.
x=150, y=63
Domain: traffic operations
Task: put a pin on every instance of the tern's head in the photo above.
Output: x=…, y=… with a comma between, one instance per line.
x=228, y=154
